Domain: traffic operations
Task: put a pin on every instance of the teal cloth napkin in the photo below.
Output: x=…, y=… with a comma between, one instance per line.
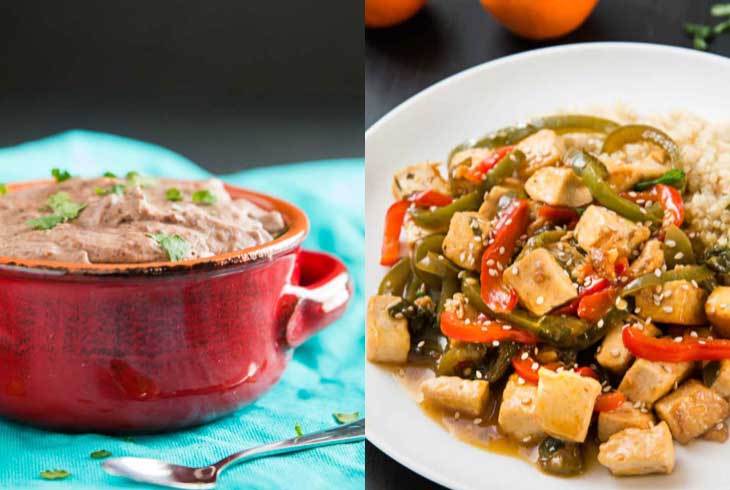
x=325, y=374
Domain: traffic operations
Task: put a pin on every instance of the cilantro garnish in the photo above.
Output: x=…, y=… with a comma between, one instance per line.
x=3, y=189
x=55, y=474
x=345, y=418
x=175, y=245
x=111, y=175
x=60, y=175
x=204, y=197
x=298, y=429
x=117, y=189
x=135, y=178
x=101, y=454
x=173, y=194
x=63, y=209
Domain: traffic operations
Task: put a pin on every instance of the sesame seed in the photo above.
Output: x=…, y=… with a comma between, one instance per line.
x=615, y=352
x=515, y=271
x=477, y=421
x=540, y=300
x=534, y=366
x=670, y=243
x=457, y=415
x=495, y=343
x=677, y=339
x=667, y=309
x=502, y=250
x=658, y=272
x=600, y=323
x=524, y=356
x=506, y=327
x=678, y=255
x=492, y=272
x=520, y=380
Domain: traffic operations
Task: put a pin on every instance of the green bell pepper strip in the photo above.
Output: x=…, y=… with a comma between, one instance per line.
x=563, y=332
x=431, y=243
x=540, y=240
x=695, y=273
x=415, y=286
x=575, y=123
x=681, y=252
x=439, y=218
x=593, y=174
x=449, y=286
x=634, y=133
x=674, y=177
x=395, y=280
x=437, y=265
x=497, y=368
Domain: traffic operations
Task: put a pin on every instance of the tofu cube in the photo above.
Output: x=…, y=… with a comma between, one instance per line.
x=468, y=397
x=624, y=417
x=648, y=381
x=517, y=414
x=678, y=302
x=565, y=403
x=639, y=451
x=602, y=228
x=491, y=205
x=717, y=309
x=613, y=355
x=623, y=176
x=414, y=232
x=558, y=186
x=541, y=149
x=540, y=281
x=717, y=434
x=417, y=178
x=464, y=242
x=721, y=384
x=650, y=259
x=386, y=338
x=691, y=410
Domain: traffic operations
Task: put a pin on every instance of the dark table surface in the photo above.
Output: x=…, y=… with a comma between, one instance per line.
x=449, y=36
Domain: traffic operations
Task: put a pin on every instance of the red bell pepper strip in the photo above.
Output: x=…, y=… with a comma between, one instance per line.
x=523, y=368
x=389, y=252
x=597, y=284
x=510, y=225
x=667, y=349
x=482, y=331
x=668, y=197
x=587, y=372
x=476, y=173
x=430, y=197
x=609, y=401
x=560, y=214
x=594, y=306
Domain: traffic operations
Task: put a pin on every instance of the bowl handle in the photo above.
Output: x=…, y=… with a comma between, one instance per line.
x=320, y=298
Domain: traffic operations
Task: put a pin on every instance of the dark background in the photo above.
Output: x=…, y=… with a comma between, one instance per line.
x=451, y=35
x=228, y=83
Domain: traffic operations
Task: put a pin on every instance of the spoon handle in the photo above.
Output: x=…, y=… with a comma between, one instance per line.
x=352, y=432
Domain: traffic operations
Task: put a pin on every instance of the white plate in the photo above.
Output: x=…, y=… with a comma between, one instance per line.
x=649, y=78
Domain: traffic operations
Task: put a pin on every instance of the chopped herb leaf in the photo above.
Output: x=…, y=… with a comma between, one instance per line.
x=720, y=10
x=111, y=175
x=45, y=222
x=117, y=189
x=55, y=474
x=298, y=429
x=175, y=245
x=674, y=177
x=721, y=28
x=60, y=175
x=3, y=189
x=173, y=194
x=345, y=418
x=135, y=178
x=101, y=454
x=698, y=30
x=204, y=197
x=699, y=43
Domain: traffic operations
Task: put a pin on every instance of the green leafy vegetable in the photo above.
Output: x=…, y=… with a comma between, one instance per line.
x=698, y=30
x=721, y=28
x=173, y=194
x=204, y=197
x=674, y=177
x=55, y=474
x=3, y=189
x=699, y=43
x=720, y=10
x=175, y=245
x=101, y=454
x=345, y=418
x=60, y=175
x=111, y=175
x=117, y=189
x=298, y=429
x=63, y=208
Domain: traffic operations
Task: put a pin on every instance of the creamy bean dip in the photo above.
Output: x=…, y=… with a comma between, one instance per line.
x=130, y=220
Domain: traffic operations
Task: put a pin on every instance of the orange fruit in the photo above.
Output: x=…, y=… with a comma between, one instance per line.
x=540, y=19
x=387, y=13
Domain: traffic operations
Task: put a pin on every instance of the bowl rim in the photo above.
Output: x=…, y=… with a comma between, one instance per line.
x=295, y=218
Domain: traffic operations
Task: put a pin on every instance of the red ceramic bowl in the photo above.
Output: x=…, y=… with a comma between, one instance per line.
x=158, y=346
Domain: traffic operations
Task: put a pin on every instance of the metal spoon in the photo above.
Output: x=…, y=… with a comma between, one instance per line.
x=158, y=472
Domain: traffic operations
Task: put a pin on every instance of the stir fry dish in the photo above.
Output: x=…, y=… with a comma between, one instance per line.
x=554, y=290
